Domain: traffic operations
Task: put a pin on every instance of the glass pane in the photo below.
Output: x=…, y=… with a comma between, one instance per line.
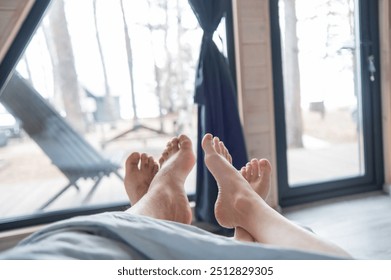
x=321, y=87
x=121, y=76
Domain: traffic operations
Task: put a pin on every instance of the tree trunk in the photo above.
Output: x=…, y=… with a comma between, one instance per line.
x=129, y=54
x=57, y=99
x=294, y=123
x=108, y=100
x=166, y=94
x=64, y=69
x=157, y=71
x=180, y=80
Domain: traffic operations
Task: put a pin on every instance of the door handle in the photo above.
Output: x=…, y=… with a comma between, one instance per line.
x=371, y=67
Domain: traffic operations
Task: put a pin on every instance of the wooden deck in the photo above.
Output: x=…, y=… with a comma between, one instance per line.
x=324, y=163
x=28, y=179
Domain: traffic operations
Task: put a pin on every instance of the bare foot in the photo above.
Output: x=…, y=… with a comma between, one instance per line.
x=139, y=172
x=257, y=173
x=166, y=198
x=233, y=188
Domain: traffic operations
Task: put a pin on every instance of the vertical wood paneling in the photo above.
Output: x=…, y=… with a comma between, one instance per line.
x=12, y=15
x=255, y=86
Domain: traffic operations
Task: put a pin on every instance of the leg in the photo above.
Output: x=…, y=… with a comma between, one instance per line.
x=238, y=205
x=257, y=173
x=166, y=198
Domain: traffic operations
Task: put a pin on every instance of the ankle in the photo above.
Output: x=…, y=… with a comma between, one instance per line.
x=245, y=204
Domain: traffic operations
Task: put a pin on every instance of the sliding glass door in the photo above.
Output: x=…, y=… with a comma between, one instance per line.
x=327, y=98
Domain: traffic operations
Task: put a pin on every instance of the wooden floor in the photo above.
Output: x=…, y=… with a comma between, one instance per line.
x=361, y=224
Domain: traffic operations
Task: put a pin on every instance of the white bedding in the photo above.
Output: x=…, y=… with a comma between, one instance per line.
x=119, y=235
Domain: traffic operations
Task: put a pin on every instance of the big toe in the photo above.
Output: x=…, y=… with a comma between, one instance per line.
x=185, y=142
x=265, y=167
x=207, y=144
x=132, y=162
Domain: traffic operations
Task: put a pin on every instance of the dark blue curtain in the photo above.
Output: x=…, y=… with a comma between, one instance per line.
x=216, y=97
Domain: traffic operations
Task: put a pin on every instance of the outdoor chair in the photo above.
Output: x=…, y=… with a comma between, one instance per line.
x=66, y=148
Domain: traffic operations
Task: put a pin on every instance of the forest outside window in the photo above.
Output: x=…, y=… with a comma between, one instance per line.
x=121, y=73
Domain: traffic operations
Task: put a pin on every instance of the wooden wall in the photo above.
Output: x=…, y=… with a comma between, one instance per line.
x=255, y=84
x=12, y=15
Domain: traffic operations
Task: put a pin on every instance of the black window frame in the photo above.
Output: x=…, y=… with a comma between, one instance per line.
x=374, y=176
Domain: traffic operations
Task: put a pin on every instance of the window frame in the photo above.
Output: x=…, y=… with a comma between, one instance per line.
x=374, y=175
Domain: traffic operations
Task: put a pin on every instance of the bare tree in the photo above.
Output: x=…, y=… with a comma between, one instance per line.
x=136, y=124
x=157, y=71
x=171, y=78
x=57, y=100
x=330, y=15
x=168, y=74
x=129, y=53
x=293, y=116
x=180, y=79
x=64, y=71
x=108, y=100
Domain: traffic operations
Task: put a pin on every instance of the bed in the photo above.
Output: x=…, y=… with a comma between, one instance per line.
x=120, y=235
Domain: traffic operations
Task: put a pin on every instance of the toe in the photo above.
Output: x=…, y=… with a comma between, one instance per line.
x=174, y=144
x=155, y=168
x=132, y=161
x=207, y=145
x=229, y=158
x=244, y=172
x=184, y=142
x=265, y=167
x=255, y=168
x=168, y=149
x=164, y=157
x=151, y=162
x=161, y=161
x=223, y=150
x=248, y=170
x=216, y=144
x=144, y=161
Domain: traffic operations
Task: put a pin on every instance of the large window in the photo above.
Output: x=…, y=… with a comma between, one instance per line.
x=121, y=73
x=328, y=133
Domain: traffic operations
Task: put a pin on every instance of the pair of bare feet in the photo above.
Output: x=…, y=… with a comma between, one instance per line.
x=143, y=176
x=158, y=192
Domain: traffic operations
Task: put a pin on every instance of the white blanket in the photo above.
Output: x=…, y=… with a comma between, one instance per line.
x=119, y=235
